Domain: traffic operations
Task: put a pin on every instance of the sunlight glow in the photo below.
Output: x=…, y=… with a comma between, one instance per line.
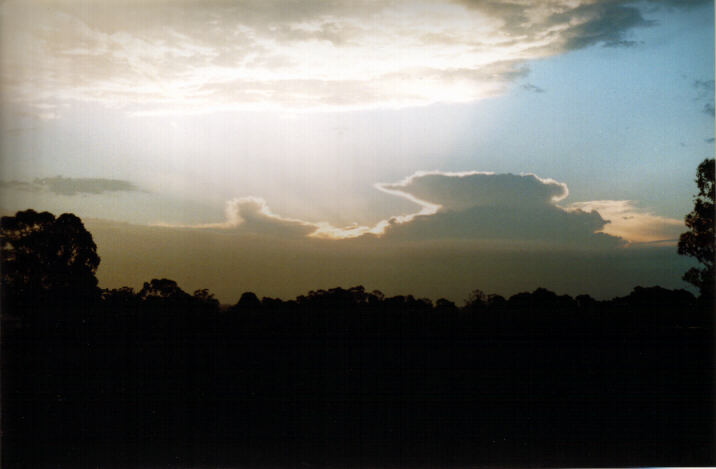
x=630, y=223
x=343, y=56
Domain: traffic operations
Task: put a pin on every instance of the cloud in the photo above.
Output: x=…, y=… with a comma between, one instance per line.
x=532, y=88
x=498, y=232
x=500, y=209
x=565, y=26
x=705, y=92
x=312, y=54
x=71, y=186
x=463, y=190
x=628, y=222
x=20, y=186
x=252, y=215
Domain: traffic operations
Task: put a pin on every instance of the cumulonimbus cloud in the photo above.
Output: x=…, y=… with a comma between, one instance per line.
x=515, y=209
x=312, y=54
x=461, y=190
x=500, y=208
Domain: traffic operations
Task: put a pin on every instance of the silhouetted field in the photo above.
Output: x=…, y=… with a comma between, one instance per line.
x=351, y=378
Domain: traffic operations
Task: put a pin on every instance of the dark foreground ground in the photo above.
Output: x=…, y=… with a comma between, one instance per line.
x=344, y=378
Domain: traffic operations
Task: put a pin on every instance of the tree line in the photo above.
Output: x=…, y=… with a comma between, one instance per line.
x=344, y=376
x=351, y=377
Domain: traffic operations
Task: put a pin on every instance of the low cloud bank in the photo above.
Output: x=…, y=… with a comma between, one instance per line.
x=231, y=262
x=521, y=210
x=59, y=185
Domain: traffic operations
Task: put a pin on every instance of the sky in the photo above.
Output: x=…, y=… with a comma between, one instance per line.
x=423, y=147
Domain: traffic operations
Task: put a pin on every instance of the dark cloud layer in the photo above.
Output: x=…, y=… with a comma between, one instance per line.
x=517, y=226
x=586, y=23
x=287, y=267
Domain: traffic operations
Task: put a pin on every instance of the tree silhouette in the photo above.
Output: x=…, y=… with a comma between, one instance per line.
x=162, y=288
x=247, y=303
x=203, y=296
x=47, y=258
x=698, y=242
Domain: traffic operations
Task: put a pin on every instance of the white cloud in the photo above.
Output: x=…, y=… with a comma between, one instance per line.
x=163, y=57
x=252, y=214
x=635, y=225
